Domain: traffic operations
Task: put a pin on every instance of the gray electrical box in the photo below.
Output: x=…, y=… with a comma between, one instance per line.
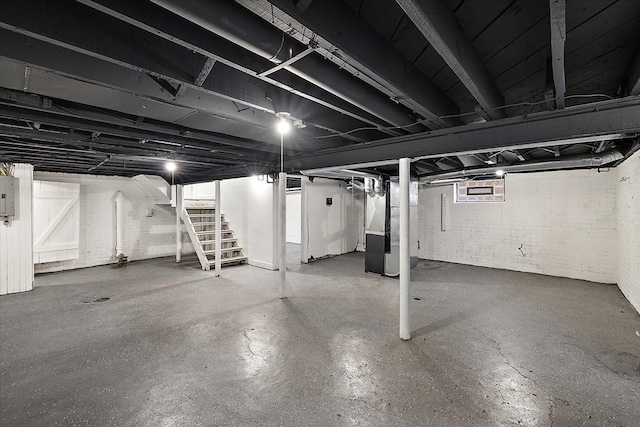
x=7, y=196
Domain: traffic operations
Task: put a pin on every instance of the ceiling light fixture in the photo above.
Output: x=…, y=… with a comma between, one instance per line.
x=170, y=166
x=283, y=126
x=499, y=173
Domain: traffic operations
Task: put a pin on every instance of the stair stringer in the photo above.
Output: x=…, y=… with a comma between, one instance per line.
x=202, y=257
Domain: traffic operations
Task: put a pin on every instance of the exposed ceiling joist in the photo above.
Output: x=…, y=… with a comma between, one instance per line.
x=204, y=72
x=143, y=131
x=633, y=75
x=620, y=116
x=108, y=146
x=173, y=67
x=440, y=27
x=232, y=22
x=169, y=26
x=557, y=17
x=337, y=23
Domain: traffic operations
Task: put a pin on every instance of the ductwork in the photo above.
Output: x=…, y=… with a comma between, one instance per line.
x=558, y=163
x=232, y=22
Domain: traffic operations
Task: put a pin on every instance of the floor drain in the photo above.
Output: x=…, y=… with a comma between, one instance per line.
x=417, y=299
x=103, y=299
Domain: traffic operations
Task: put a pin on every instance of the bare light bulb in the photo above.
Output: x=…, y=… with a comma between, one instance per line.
x=283, y=126
x=170, y=166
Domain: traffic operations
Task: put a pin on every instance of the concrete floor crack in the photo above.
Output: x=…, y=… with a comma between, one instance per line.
x=506, y=359
x=552, y=401
x=249, y=341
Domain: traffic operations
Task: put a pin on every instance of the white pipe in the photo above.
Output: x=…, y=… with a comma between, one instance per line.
x=282, y=233
x=304, y=223
x=405, y=255
x=218, y=229
x=119, y=223
x=179, y=207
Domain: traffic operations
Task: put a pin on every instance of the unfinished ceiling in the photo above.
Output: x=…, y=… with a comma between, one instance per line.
x=118, y=87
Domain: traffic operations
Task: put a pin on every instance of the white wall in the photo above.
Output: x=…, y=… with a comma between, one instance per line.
x=248, y=206
x=144, y=237
x=294, y=217
x=628, y=206
x=332, y=230
x=556, y=223
x=16, y=239
x=201, y=191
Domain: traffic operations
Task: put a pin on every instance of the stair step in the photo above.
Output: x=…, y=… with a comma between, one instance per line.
x=202, y=219
x=211, y=232
x=211, y=242
x=232, y=249
x=229, y=260
x=199, y=204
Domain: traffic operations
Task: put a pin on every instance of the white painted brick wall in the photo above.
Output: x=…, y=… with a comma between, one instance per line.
x=145, y=237
x=557, y=223
x=628, y=203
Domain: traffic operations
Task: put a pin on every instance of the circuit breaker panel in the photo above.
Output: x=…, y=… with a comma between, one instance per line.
x=7, y=196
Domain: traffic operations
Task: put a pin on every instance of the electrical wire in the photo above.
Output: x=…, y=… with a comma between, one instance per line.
x=470, y=113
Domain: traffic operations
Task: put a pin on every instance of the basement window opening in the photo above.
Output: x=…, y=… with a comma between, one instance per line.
x=480, y=191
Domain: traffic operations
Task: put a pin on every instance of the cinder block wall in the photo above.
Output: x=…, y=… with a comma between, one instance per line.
x=628, y=205
x=145, y=237
x=556, y=223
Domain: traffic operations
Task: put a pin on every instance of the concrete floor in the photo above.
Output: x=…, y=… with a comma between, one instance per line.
x=176, y=346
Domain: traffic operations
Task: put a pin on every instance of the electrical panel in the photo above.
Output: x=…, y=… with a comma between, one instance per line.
x=7, y=196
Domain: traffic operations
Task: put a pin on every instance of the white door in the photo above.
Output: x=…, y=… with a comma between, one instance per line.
x=56, y=221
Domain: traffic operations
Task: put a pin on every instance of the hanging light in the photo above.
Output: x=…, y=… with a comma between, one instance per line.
x=170, y=166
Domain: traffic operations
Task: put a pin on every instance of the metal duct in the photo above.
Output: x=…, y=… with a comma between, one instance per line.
x=378, y=186
x=583, y=161
x=235, y=23
x=368, y=186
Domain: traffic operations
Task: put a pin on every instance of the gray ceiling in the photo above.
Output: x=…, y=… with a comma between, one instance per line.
x=117, y=87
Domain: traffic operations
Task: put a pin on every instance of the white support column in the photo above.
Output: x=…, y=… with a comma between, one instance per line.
x=119, y=223
x=304, y=222
x=282, y=232
x=218, y=230
x=179, y=207
x=405, y=248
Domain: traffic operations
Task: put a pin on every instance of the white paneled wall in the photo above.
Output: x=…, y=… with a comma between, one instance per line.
x=628, y=203
x=557, y=223
x=56, y=221
x=16, y=239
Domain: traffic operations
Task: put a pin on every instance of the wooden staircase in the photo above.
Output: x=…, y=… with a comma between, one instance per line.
x=199, y=219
